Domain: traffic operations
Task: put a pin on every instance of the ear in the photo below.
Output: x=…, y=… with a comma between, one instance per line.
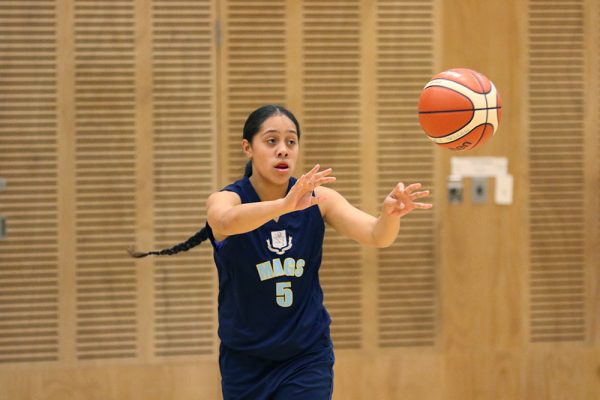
x=247, y=148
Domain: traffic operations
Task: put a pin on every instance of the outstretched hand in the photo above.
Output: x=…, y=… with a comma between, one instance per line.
x=401, y=200
x=300, y=195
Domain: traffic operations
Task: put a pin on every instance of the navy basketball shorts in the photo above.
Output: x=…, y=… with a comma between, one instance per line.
x=307, y=376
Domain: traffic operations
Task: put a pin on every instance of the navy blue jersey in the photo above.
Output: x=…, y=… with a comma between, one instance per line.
x=270, y=298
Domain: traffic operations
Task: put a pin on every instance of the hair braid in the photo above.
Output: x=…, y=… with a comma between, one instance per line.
x=193, y=241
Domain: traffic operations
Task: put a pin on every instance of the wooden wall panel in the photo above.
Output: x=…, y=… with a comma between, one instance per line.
x=561, y=373
x=252, y=69
x=105, y=190
x=332, y=119
x=197, y=380
x=595, y=49
x=184, y=137
x=592, y=39
x=480, y=375
x=556, y=165
x=483, y=259
x=407, y=303
x=29, y=284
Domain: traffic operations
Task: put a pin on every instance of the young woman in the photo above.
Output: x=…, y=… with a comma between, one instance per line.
x=267, y=233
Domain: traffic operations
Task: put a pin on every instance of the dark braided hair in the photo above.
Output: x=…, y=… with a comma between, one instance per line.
x=251, y=128
x=193, y=241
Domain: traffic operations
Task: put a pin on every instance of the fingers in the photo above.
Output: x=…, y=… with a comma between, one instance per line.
x=316, y=175
x=313, y=170
x=405, y=197
x=400, y=189
x=322, y=177
x=423, y=206
x=309, y=175
x=327, y=179
x=325, y=172
x=408, y=192
x=314, y=178
x=412, y=187
x=318, y=182
x=418, y=195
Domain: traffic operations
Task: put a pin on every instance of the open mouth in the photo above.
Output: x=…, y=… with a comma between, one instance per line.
x=282, y=167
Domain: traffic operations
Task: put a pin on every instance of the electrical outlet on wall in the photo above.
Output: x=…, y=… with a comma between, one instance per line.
x=504, y=189
x=479, y=190
x=455, y=189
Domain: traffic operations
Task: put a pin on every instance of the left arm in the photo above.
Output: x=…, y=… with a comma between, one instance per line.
x=356, y=224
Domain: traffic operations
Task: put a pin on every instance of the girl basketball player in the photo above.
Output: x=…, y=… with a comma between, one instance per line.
x=267, y=232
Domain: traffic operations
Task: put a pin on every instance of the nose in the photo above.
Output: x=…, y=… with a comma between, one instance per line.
x=282, y=150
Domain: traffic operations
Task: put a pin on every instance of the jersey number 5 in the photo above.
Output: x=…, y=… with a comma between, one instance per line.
x=284, y=294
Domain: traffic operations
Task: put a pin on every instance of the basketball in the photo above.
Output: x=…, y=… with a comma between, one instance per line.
x=459, y=109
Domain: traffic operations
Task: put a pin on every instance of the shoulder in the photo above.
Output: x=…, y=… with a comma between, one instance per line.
x=232, y=192
x=230, y=195
x=330, y=199
x=223, y=197
x=236, y=186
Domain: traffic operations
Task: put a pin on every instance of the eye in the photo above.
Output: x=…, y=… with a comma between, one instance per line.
x=271, y=140
x=292, y=142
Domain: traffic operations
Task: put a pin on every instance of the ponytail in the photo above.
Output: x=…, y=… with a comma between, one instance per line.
x=194, y=241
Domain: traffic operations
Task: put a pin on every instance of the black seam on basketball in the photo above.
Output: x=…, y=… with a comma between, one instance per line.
x=450, y=80
x=481, y=136
x=463, y=135
x=468, y=109
x=487, y=114
x=453, y=132
x=452, y=90
x=481, y=84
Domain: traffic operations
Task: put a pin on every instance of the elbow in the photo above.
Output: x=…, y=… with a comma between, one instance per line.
x=383, y=244
x=221, y=225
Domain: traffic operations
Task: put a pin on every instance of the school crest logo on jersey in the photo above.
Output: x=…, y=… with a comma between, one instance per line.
x=280, y=242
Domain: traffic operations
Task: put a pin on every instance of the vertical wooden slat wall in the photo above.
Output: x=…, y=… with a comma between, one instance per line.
x=331, y=100
x=556, y=165
x=185, y=138
x=595, y=49
x=105, y=104
x=407, y=275
x=252, y=71
x=592, y=158
x=29, y=271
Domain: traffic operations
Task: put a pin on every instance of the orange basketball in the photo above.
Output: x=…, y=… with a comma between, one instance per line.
x=459, y=109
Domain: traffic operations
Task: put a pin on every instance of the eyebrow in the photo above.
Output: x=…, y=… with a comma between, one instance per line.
x=275, y=130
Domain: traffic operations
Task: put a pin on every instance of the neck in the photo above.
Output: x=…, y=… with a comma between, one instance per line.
x=267, y=191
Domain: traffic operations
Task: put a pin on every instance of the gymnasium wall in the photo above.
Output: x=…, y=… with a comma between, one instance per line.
x=118, y=118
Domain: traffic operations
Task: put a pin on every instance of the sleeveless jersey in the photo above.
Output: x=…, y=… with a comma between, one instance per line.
x=270, y=298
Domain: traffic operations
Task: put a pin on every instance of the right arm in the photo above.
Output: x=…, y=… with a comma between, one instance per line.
x=227, y=216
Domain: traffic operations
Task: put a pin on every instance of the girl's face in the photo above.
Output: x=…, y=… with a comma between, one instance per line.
x=274, y=149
